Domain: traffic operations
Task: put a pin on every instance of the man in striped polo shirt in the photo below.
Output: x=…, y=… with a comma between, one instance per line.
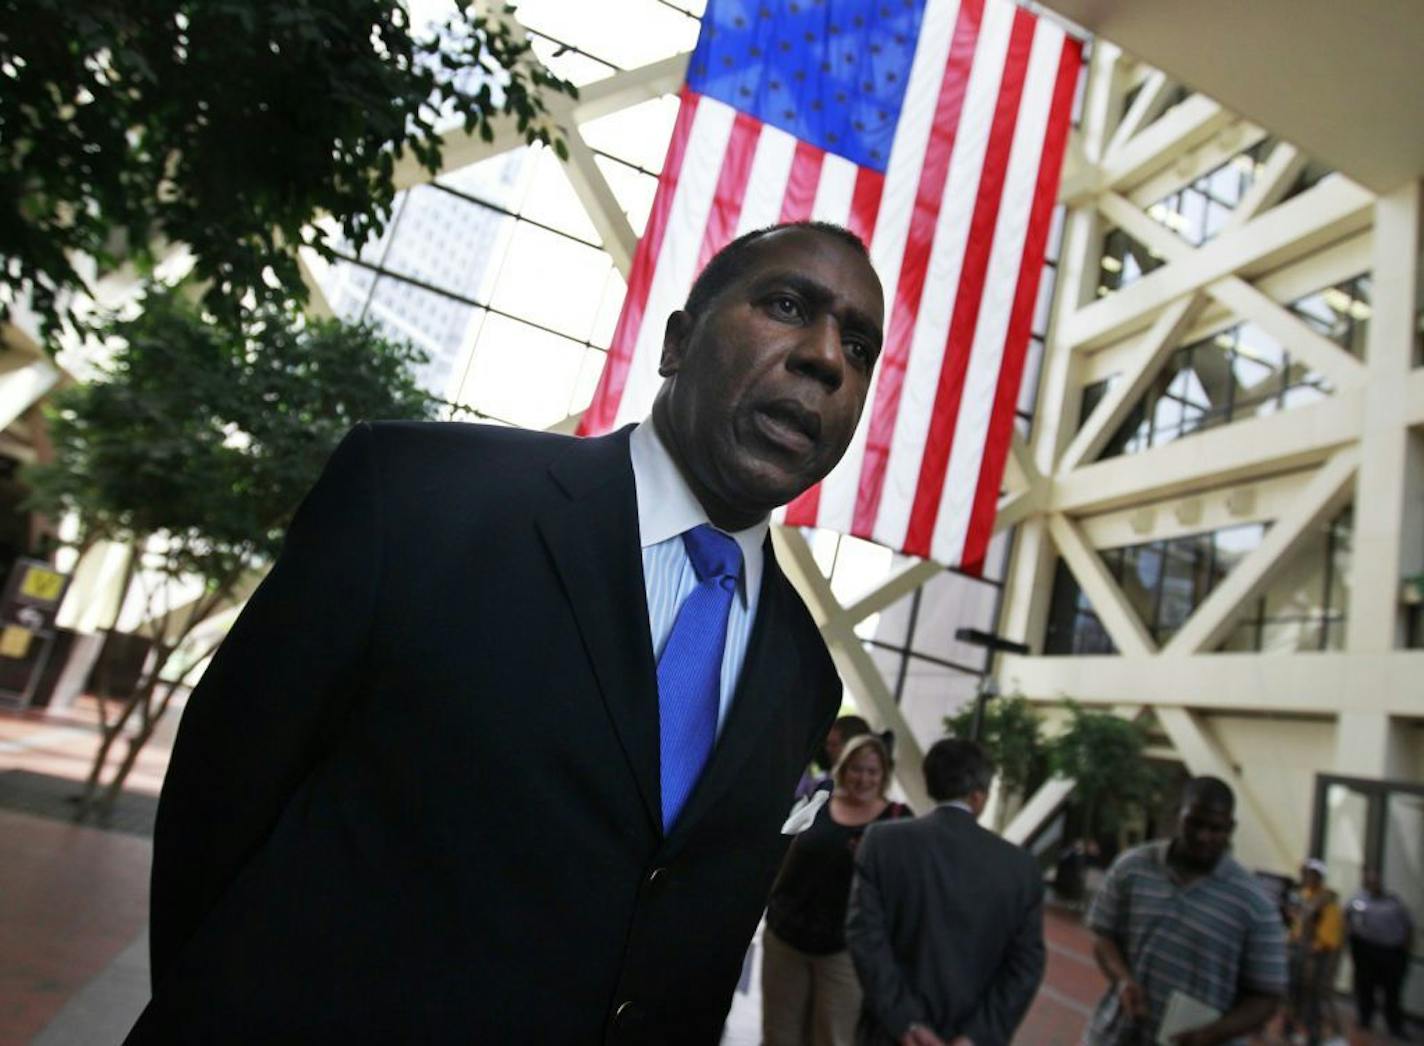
x=1191, y=944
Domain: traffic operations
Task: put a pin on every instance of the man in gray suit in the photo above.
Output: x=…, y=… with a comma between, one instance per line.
x=946, y=919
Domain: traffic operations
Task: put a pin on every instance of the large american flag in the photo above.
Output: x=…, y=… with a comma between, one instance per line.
x=934, y=129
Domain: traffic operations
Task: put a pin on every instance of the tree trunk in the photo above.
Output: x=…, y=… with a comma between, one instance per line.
x=150, y=723
x=110, y=734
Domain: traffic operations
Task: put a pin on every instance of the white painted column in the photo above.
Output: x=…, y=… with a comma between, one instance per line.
x=1389, y=489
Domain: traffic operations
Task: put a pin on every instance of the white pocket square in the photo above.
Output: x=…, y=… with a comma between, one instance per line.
x=804, y=812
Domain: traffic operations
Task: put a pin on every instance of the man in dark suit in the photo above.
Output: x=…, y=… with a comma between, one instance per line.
x=946, y=919
x=500, y=750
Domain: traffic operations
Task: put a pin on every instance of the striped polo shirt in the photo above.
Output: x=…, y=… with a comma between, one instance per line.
x=1217, y=938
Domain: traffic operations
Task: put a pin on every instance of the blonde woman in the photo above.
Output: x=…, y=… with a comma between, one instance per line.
x=810, y=995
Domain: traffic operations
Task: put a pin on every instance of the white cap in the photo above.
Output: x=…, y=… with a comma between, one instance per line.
x=1316, y=865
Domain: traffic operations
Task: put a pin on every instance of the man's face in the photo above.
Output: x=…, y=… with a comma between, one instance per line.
x=768, y=381
x=1203, y=833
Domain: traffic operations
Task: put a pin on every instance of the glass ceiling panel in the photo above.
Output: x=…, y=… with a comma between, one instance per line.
x=633, y=190
x=551, y=280
x=638, y=134
x=604, y=29
x=522, y=374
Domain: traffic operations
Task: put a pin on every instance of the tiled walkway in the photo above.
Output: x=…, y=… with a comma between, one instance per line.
x=73, y=906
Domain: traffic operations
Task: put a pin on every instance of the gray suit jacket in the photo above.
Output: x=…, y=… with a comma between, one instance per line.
x=946, y=929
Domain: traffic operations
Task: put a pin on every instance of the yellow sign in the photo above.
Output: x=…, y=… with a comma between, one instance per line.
x=15, y=641
x=41, y=584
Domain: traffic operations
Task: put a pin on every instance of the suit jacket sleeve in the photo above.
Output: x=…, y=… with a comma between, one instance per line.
x=888, y=994
x=271, y=698
x=1020, y=971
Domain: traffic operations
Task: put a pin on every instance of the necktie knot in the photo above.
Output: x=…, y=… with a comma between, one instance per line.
x=714, y=555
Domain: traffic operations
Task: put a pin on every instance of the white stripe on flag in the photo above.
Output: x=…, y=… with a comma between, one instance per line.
x=673, y=274
x=835, y=189
x=1001, y=281
x=927, y=349
x=766, y=183
x=892, y=227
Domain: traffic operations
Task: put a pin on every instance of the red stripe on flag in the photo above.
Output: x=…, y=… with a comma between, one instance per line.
x=804, y=508
x=603, y=411
x=996, y=446
x=964, y=321
x=801, y=184
x=908, y=290
x=865, y=203
x=864, y=209
x=731, y=191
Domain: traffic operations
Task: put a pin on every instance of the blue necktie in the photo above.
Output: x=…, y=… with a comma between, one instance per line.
x=690, y=669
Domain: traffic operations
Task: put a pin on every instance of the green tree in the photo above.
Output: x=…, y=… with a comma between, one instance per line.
x=229, y=125
x=1012, y=735
x=193, y=449
x=1103, y=753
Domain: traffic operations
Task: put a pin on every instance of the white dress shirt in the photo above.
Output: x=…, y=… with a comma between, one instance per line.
x=666, y=508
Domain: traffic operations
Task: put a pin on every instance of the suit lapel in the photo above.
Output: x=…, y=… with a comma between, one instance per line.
x=593, y=539
x=768, y=675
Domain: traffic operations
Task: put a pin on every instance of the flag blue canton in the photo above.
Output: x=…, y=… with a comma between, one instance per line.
x=830, y=72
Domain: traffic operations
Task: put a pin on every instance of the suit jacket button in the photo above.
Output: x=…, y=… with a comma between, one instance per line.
x=628, y=1017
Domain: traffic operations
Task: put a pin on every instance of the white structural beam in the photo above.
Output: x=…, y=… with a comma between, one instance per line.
x=1273, y=181
x=1310, y=683
x=1148, y=357
x=460, y=148
x=1240, y=297
x=1391, y=483
x=1186, y=126
x=625, y=89
x=1145, y=107
x=23, y=381
x=592, y=189
x=1202, y=753
x=317, y=303
x=1330, y=211
x=1041, y=806
x=1229, y=454
x=1120, y=621
x=1327, y=493
x=856, y=667
x=893, y=589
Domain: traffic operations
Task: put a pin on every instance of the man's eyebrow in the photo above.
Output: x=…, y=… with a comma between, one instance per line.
x=821, y=296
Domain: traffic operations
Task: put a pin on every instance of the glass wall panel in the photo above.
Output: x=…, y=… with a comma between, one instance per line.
x=522, y=374
x=1237, y=373
x=1402, y=869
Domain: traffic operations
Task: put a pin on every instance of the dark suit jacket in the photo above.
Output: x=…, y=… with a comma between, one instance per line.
x=415, y=797
x=946, y=929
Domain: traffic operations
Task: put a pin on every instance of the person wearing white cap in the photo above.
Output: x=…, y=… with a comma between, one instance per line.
x=1317, y=933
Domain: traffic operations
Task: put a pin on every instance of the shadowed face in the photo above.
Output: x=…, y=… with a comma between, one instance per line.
x=766, y=383
x=1203, y=833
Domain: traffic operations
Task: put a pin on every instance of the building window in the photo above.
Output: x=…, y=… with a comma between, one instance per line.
x=1164, y=581
x=1073, y=626
x=1195, y=212
x=1307, y=605
x=1241, y=372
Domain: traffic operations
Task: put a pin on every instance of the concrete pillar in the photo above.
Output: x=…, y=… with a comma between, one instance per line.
x=1391, y=478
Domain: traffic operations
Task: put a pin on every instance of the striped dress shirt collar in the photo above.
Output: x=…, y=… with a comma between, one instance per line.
x=667, y=506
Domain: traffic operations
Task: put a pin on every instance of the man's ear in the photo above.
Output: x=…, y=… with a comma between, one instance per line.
x=675, y=337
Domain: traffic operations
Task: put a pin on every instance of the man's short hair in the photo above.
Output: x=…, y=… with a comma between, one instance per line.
x=722, y=269
x=1211, y=793
x=955, y=768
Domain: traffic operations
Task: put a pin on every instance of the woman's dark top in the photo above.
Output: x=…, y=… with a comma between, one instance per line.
x=808, y=903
